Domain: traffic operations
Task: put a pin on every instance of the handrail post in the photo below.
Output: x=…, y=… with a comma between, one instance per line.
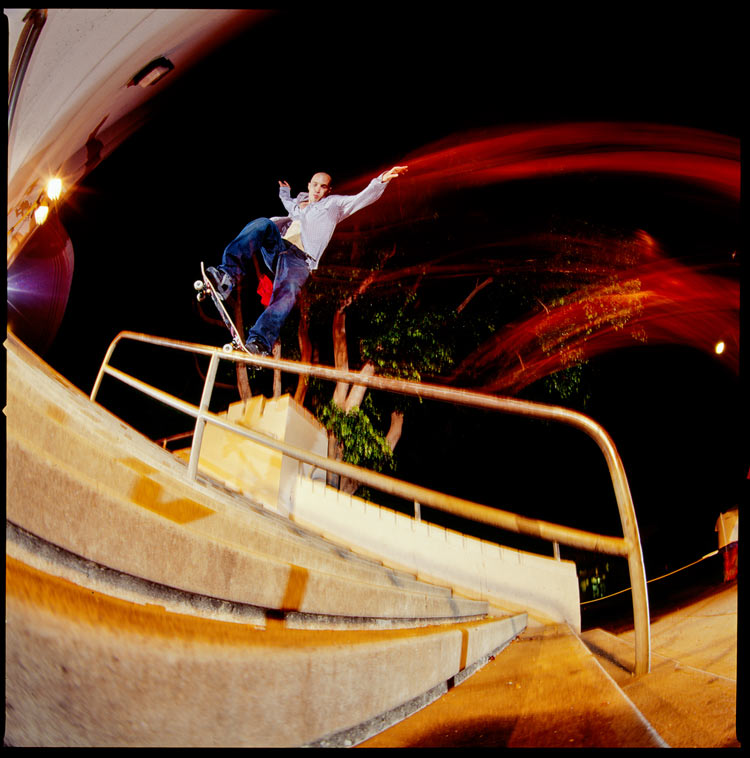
x=103, y=368
x=641, y=622
x=636, y=567
x=200, y=421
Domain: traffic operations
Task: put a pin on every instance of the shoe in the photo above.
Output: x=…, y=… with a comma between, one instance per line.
x=257, y=348
x=221, y=281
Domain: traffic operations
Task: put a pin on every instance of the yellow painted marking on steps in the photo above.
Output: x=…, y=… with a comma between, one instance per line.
x=56, y=413
x=149, y=494
x=464, y=648
x=295, y=589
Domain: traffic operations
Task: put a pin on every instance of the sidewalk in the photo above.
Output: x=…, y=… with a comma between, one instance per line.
x=548, y=690
x=545, y=690
x=690, y=696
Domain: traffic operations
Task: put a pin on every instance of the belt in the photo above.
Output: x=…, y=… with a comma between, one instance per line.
x=294, y=250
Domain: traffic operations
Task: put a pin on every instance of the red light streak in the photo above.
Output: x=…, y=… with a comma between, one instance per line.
x=465, y=160
x=653, y=298
x=657, y=301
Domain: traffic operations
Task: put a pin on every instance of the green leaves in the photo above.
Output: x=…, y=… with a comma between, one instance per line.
x=407, y=342
x=361, y=444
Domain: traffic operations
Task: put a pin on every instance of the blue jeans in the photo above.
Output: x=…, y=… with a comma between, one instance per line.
x=282, y=259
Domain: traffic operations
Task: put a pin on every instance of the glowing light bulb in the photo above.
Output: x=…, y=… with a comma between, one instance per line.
x=54, y=188
x=40, y=214
x=719, y=348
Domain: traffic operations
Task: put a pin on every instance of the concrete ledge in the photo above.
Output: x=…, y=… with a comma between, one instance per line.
x=87, y=669
x=511, y=579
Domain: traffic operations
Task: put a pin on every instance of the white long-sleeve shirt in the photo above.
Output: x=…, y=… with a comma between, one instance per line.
x=318, y=220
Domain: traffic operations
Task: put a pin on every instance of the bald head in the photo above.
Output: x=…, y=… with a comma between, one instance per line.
x=319, y=186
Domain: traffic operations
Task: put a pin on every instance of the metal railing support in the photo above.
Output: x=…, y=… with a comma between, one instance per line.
x=628, y=546
x=200, y=422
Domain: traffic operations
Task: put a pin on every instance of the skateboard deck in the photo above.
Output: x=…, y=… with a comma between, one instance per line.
x=205, y=287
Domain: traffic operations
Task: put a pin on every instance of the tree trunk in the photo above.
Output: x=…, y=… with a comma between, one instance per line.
x=344, y=397
x=334, y=453
x=340, y=355
x=348, y=486
x=243, y=383
x=352, y=400
x=305, y=347
x=276, y=353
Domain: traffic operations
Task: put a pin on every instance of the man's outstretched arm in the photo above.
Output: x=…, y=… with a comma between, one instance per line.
x=393, y=173
x=349, y=204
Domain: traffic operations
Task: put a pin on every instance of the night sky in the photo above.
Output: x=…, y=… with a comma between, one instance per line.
x=355, y=92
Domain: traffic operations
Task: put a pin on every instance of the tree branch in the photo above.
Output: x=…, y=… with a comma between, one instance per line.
x=394, y=432
x=473, y=293
x=357, y=392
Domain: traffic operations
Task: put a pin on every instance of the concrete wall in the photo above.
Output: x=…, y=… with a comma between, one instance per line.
x=255, y=469
x=509, y=579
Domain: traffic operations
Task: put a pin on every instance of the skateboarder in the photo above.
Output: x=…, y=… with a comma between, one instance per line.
x=291, y=247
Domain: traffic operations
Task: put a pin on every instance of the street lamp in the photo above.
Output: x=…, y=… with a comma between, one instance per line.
x=54, y=191
x=54, y=188
x=40, y=214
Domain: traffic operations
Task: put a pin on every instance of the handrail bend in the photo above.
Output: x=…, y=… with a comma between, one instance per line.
x=628, y=546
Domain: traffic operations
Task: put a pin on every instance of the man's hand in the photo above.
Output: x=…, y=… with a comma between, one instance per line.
x=283, y=184
x=393, y=173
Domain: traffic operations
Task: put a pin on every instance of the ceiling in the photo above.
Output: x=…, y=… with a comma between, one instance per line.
x=75, y=105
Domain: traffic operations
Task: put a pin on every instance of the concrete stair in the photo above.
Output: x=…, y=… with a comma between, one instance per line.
x=89, y=668
x=143, y=609
x=114, y=490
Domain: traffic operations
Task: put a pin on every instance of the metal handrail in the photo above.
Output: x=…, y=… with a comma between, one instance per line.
x=628, y=546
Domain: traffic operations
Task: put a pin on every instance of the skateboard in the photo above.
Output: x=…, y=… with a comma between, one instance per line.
x=204, y=287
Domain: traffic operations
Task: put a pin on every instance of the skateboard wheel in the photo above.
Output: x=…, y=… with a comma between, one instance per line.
x=200, y=297
x=228, y=348
x=198, y=284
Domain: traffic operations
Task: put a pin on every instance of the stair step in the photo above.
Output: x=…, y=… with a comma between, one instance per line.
x=104, y=527
x=167, y=679
x=119, y=460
